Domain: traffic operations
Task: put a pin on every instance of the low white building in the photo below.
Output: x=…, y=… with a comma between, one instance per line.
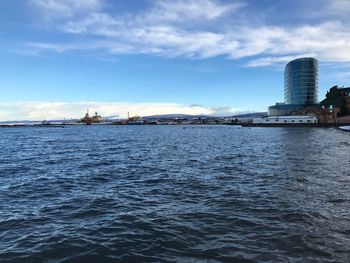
x=286, y=120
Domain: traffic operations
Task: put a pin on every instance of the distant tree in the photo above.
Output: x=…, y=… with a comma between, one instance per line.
x=344, y=110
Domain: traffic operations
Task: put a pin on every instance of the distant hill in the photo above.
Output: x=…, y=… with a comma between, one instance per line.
x=251, y=115
x=154, y=117
x=176, y=116
x=188, y=116
x=19, y=122
x=25, y=122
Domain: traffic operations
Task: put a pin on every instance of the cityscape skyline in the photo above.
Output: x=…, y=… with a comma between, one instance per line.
x=209, y=57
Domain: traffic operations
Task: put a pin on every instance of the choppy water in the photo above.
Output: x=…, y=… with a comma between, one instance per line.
x=174, y=194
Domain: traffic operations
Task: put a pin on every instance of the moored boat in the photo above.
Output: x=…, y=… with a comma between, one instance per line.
x=345, y=128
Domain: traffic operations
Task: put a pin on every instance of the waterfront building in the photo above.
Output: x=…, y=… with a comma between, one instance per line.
x=300, y=88
x=287, y=120
x=337, y=104
x=301, y=82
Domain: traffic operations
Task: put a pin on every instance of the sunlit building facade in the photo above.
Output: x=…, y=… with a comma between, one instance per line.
x=301, y=81
x=300, y=87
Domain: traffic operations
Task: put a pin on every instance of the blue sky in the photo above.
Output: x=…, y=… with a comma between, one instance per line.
x=219, y=57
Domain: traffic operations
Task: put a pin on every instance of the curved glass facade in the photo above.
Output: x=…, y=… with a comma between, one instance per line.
x=301, y=81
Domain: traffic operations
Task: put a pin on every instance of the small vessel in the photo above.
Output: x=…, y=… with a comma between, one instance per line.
x=136, y=120
x=90, y=120
x=45, y=122
x=345, y=128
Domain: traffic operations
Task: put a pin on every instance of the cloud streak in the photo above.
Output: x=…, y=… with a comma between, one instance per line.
x=65, y=8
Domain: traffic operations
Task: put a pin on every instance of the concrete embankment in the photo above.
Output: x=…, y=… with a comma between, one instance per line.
x=303, y=125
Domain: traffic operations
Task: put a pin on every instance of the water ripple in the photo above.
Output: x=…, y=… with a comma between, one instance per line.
x=174, y=194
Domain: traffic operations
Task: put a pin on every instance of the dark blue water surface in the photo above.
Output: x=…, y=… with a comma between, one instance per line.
x=174, y=194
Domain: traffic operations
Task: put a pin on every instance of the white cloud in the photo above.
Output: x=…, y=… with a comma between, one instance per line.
x=342, y=75
x=53, y=47
x=328, y=42
x=333, y=8
x=183, y=10
x=156, y=31
x=194, y=29
x=65, y=8
x=97, y=24
x=58, y=110
x=268, y=61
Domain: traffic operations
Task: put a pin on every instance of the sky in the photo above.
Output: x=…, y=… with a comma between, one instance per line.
x=59, y=58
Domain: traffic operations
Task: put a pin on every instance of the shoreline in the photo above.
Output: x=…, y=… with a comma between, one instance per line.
x=248, y=125
x=304, y=125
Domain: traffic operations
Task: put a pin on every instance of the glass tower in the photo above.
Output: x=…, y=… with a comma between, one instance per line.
x=301, y=82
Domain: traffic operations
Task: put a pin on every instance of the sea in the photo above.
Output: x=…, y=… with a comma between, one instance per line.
x=174, y=194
